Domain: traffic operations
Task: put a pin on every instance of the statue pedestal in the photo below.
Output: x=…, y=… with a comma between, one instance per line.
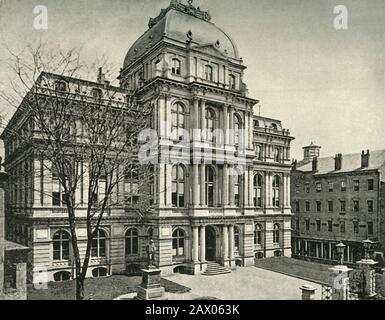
x=150, y=289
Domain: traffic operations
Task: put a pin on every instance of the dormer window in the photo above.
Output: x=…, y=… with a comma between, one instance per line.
x=61, y=86
x=176, y=67
x=274, y=126
x=232, y=82
x=209, y=73
x=96, y=93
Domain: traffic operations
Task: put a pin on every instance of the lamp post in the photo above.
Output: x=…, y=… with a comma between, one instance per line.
x=341, y=251
x=367, y=266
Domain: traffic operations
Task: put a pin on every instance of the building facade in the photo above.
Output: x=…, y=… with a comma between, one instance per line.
x=337, y=199
x=223, y=196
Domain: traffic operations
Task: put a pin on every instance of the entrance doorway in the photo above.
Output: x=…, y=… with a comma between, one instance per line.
x=211, y=244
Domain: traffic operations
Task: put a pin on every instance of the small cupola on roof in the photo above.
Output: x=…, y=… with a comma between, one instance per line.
x=174, y=23
x=310, y=152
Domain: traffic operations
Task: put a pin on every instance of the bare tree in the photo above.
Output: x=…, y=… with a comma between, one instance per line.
x=85, y=139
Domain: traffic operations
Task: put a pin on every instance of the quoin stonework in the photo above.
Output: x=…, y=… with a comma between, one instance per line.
x=221, y=196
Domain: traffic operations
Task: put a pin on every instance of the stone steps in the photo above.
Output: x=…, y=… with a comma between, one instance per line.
x=214, y=269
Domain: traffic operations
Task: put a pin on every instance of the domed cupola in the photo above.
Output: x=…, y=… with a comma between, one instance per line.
x=180, y=23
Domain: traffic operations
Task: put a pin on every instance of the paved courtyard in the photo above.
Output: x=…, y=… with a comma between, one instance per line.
x=244, y=284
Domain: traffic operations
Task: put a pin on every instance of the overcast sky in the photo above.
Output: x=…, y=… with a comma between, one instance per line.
x=323, y=84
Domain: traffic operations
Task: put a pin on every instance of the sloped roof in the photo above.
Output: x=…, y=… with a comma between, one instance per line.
x=350, y=163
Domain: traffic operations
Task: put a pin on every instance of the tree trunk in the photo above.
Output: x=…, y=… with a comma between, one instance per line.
x=79, y=287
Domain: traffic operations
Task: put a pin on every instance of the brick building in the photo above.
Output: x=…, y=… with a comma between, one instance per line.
x=191, y=71
x=337, y=199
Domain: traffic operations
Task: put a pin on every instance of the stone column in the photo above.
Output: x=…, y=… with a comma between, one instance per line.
x=366, y=266
x=225, y=187
x=203, y=243
x=226, y=124
x=203, y=119
x=21, y=280
x=231, y=186
x=196, y=185
x=251, y=186
x=195, y=114
x=340, y=282
x=168, y=183
x=231, y=125
x=162, y=185
x=231, y=243
x=195, y=252
x=203, y=185
x=225, y=244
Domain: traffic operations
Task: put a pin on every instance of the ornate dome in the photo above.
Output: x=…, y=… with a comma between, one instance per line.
x=174, y=23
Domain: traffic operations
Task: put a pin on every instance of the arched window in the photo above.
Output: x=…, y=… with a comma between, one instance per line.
x=61, y=86
x=209, y=73
x=232, y=82
x=61, y=245
x=277, y=154
x=258, y=234
x=62, y=276
x=276, y=191
x=258, y=152
x=99, y=272
x=210, y=187
x=176, y=67
x=178, y=186
x=276, y=235
x=237, y=128
x=97, y=93
x=210, y=124
x=237, y=239
x=257, y=195
x=131, y=242
x=178, y=237
x=178, y=120
x=98, y=248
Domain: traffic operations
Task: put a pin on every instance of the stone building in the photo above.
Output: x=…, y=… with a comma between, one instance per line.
x=337, y=199
x=213, y=213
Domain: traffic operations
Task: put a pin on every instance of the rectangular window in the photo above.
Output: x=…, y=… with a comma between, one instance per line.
x=318, y=225
x=370, y=184
x=318, y=187
x=343, y=186
x=319, y=206
x=307, y=206
x=330, y=226
x=342, y=227
x=343, y=206
x=356, y=227
x=370, y=206
x=330, y=206
x=307, y=222
x=356, y=205
x=356, y=185
x=370, y=227
x=331, y=186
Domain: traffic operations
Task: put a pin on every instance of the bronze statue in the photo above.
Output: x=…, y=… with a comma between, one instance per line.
x=150, y=249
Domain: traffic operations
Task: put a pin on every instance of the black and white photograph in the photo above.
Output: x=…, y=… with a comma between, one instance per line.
x=192, y=150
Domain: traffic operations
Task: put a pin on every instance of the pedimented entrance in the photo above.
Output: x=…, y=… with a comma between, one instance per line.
x=211, y=244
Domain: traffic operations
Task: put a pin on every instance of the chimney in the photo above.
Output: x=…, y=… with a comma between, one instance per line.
x=338, y=162
x=365, y=159
x=294, y=165
x=314, y=164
